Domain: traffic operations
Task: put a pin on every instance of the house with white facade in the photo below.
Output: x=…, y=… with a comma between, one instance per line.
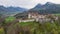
x=34, y=16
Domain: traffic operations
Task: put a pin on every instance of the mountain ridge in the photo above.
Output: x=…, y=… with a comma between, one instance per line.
x=49, y=8
x=11, y=10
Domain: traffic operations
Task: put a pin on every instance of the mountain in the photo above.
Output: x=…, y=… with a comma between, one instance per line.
x=48, y=8
x=38, y=6
x=16, y=9
x=11, y=10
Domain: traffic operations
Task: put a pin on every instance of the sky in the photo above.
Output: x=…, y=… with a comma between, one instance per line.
x=25, y=3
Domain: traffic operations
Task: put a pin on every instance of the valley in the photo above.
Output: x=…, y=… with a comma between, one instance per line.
x=41, y=19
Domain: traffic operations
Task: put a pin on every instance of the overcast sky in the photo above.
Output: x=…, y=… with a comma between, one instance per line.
x=26, y=3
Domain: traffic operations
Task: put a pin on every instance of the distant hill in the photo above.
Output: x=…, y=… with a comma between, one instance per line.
x=48, y=8
x=11, y=10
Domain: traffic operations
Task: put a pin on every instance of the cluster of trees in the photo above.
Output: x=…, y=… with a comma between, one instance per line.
x=11, y=26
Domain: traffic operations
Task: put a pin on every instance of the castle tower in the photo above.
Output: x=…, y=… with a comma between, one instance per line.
x=29, y=15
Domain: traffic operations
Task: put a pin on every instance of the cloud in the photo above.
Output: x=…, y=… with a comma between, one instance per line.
x=25, y=3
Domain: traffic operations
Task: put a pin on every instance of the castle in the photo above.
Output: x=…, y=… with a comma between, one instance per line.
x=34, y=16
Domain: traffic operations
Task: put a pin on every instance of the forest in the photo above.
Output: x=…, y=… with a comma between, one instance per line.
x=10, y=25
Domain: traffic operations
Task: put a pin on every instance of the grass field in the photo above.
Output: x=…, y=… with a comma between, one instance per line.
x=57, y=14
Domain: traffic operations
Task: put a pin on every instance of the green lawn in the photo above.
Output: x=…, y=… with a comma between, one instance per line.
x=9, y=19
x=57, y=14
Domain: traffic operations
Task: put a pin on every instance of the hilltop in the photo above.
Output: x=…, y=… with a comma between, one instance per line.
x=48, y=8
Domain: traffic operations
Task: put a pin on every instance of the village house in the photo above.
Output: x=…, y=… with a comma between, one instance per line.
x=34, y=16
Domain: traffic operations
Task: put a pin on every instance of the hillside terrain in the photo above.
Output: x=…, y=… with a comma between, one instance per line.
x=46, y=19
x=48, y=8
x=7, y=11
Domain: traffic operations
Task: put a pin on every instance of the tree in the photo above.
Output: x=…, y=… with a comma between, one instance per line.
x=2, y=22
x=9, y=22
